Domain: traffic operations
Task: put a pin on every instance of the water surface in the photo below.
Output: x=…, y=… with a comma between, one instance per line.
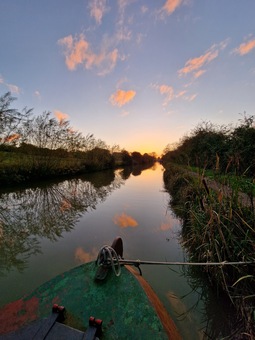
x=53, y=226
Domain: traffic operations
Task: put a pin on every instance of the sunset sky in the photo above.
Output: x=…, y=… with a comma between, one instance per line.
x=137, y=73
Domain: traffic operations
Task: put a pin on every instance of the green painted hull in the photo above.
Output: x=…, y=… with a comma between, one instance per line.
x=120, y=302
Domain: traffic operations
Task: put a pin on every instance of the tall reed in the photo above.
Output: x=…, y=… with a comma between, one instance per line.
x=218, y=227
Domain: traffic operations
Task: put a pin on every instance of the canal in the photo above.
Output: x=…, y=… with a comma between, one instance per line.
x=51, y=227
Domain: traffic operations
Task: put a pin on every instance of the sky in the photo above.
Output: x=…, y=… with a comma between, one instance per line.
x=140, y=74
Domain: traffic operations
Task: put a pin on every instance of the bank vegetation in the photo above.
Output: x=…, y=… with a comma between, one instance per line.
x=218, y=213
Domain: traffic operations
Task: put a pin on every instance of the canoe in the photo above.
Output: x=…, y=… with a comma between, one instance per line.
x=118, y=307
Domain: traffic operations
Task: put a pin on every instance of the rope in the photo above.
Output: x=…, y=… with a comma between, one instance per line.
x=108, y=257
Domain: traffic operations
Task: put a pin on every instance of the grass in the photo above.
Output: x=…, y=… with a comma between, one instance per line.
x=217, y=228
x=18, y=167
x=235, y=182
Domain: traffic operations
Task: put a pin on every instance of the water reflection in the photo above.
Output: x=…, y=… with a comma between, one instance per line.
x=218, y=318
x=123, y=220
x=83, y=257
x=47, y=211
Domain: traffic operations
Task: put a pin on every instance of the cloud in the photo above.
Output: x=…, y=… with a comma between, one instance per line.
x=97, y=10
x=77, y=51
x=124, y=221
x=12, y=88
x=123, y=24
x=169, y=93
x=165, y=226
x=60, y=115
x=37, y=94
x=195, y=65
x=166, y=91
x=12, y=138
x=245, y=48
x=106, y=62
x=121, y=97
x=180, y=94
x=83, y=256
x=199, y=73
x=191, y=97
x=65, y=205
x=123, y=34
x=171, y=5
x=144, y=9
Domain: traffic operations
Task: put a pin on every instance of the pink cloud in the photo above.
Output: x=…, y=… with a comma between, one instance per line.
x=245, y=48
x=121, y=97
x=97, y=10
x=60, y=115
x=191, y=97
x=171, y=5
x=13, y=88
x=196, y=63
x=180, y=94
x=12, y=138
x=165, y=226
x=77, y=51
x=167, y=91
x=83, y=257
x=170, y=94
x=199, y=73
x=125, y=221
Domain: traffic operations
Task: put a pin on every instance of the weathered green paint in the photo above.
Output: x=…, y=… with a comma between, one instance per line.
x=120, y=302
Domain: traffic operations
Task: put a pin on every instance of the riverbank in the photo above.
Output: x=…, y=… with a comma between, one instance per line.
x=26, y=164
x=217, y=227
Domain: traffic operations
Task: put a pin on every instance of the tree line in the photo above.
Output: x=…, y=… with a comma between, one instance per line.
x=43, y=146
x=42, y=131
x=225, y=149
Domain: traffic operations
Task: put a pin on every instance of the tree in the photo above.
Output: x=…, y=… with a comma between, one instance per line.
x=242, y=146
x=46, y=132
x=136, y=157
x=98, y=159
x=11, y=121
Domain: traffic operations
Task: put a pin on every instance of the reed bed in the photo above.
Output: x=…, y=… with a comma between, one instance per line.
x=218, y=226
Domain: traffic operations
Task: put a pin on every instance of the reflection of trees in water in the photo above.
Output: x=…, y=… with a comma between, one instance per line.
x=136, y=170
x=219, y=319
x=47, y=211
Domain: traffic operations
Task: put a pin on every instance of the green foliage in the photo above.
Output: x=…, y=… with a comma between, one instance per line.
x=98, y=159
x=217, y=227
x=218, y=147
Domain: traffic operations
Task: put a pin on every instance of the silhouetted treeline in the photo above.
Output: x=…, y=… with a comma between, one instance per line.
x=221, y=148
x=43, y=146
